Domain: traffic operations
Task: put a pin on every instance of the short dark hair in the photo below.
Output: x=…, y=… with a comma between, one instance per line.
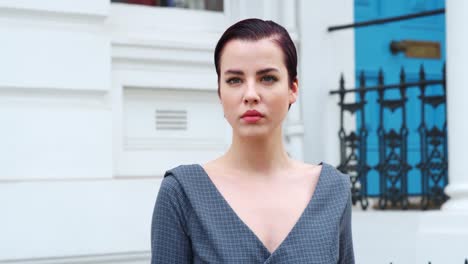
x=253, y=29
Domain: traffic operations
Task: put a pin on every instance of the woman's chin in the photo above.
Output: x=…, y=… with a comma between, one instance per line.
x=252, y=132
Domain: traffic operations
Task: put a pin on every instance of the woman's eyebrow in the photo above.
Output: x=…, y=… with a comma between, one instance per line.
x=236, y=72
x=260, y=72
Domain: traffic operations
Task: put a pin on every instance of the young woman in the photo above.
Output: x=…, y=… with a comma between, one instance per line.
x=254, y=204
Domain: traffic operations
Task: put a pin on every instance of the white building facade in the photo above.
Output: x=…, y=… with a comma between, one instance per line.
x=98, y=99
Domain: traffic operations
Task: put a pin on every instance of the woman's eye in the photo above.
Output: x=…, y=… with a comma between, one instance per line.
x=233, y=81
x=269, y=79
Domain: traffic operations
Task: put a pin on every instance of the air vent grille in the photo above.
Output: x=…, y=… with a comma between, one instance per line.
x=171, y=119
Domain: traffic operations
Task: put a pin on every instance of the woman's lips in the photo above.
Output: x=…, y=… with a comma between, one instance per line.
x=252, y=119
x=252, y=116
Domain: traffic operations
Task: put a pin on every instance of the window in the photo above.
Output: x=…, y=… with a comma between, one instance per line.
x=212, y=5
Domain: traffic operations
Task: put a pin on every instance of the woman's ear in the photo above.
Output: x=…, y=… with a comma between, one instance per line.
x=293, y=91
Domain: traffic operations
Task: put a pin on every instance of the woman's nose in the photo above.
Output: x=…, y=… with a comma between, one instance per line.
x=251, y=94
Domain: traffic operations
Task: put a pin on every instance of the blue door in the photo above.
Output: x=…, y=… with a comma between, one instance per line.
x=373, y=53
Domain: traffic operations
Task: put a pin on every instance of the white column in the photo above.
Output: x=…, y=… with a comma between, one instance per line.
x=457, y=107
x=323, y=57
x=287, y=13
x=294, y=132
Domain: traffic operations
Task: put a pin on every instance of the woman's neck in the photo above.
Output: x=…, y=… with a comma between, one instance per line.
x=258, y=155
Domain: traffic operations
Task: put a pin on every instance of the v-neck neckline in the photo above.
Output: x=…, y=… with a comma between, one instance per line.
x=250, y=231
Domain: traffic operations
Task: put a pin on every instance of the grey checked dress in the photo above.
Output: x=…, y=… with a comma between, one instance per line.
x=193, y=223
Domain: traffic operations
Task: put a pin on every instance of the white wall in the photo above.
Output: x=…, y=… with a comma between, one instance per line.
x=408, y=237
x=54, y=112
x=323, y=57
x=457, y=109
x=44, y=219
x=56, y=132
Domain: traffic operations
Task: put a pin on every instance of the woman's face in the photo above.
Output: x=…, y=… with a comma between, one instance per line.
x=253, y=77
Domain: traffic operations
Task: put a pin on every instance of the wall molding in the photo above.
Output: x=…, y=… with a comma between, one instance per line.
x=53, y=19
x=160, y=144
x=109, y=258
x=15, y=96
x=159, y=28
x=161, y=53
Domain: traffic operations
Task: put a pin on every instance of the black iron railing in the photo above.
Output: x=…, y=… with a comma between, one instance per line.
x=373, y=22
x=393, y=165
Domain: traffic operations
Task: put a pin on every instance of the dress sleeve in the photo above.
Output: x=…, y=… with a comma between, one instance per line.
x=169, y=240
x=346, y=238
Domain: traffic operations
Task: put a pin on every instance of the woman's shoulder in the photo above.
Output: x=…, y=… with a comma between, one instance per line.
x=328, y=171
x=180, y=175
x=171, y=181
x=183, y=178
x=336, y=176
x=179, y=181
x=184, y=170
x=331, y=180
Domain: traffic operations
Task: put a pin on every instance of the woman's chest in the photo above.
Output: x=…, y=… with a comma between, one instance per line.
x=269, y=211
x=222, y=238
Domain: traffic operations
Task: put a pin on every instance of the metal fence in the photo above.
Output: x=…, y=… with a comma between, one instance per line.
x=391, y=155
